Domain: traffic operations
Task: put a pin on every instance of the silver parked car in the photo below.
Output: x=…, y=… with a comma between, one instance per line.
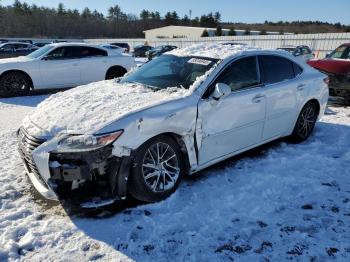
x=177, y=114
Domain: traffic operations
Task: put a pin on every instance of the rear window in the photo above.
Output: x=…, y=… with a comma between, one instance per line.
x=297, y=69
x=275, y=69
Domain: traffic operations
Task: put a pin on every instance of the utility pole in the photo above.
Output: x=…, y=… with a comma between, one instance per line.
x=190, y=17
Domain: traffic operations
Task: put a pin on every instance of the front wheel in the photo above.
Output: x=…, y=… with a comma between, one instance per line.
x=305, y=123
x=115, y=72
x=157, y=170
x=14, y=84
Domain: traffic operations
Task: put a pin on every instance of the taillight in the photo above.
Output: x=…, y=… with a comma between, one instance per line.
x=326, y=80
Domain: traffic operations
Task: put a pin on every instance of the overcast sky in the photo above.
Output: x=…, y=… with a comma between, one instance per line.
x=250, y=11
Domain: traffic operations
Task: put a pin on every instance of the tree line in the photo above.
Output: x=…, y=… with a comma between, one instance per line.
x=23, y=20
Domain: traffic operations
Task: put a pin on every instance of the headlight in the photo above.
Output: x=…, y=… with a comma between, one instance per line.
x=79, y=143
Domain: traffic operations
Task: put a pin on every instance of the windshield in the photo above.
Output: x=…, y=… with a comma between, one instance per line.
x=41, y=51
x=170, y=71
x=342, y=52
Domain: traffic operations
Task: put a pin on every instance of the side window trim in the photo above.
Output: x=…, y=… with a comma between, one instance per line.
x=205, y=95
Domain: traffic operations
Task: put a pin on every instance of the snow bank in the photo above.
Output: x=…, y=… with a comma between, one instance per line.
x=286, y=202
x=88, y=108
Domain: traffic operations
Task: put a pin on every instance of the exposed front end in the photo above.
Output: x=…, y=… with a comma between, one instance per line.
x=89, y=177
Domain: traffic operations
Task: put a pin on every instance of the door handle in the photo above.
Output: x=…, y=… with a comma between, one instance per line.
x=301, y=87
x=75, y=64
x=258, y=98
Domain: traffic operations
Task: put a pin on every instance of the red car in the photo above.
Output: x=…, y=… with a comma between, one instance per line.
x=337, y=66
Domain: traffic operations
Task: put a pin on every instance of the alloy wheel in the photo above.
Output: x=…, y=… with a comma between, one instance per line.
x=160, y=167
x=307, y=121
x=15, y=84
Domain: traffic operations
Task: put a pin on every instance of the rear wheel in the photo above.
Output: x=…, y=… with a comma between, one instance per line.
x=115, y=72
x=14, y=84
x=157, y=170
x=305, y=123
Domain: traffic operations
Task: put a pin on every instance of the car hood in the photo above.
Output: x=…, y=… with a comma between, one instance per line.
x=87, y=109
x=335, y=66
x=14, y=60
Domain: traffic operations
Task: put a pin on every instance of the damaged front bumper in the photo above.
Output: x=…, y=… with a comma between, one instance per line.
x=92, y=178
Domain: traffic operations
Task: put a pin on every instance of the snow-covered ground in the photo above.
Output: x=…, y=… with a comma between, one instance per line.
x=281, y=202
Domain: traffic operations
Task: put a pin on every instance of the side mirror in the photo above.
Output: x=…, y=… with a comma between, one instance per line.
x=221, y=90
x=328, y=55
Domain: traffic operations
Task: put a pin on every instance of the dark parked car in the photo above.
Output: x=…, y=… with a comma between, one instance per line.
x=25, y=41
x=159, y=50
x=41, y=44
x=141, y=50
x=122, y=45
x=302, y=51
x=337, y=66
x=233, y=43
x=14, y=49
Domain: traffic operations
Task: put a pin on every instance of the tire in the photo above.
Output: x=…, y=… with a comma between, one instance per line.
x=115, y=72
x=155, y=178
x=306, y=122
x=14, y=84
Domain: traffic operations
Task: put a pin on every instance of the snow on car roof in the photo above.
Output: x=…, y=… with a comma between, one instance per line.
x=212, y=50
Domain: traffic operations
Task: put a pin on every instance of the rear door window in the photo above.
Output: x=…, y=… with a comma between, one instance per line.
x=87, y=51
x=66, y=52
x=275, y=69
x=9, y=47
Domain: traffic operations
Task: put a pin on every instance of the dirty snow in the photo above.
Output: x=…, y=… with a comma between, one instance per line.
x=282, y=202
x=88, y=108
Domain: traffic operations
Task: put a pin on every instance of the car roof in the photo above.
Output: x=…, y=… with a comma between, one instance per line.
x=345, y=44
x=221, y=52
x=108, y=50
x=16, y=43
x=71, y=44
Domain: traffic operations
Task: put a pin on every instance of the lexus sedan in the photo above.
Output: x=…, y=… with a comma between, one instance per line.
x=176, y=115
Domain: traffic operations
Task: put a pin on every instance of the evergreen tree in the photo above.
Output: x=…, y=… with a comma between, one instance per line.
x=205, y=33
x=144, y=14
x=218, y=31
x=232, y=32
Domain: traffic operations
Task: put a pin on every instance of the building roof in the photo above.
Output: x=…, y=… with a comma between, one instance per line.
x=192, y=27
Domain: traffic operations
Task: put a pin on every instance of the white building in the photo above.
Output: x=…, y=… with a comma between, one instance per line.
x=173, y=31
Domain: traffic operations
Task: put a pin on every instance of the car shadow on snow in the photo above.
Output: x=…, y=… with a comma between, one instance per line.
x=33, y=99
x=30, y=101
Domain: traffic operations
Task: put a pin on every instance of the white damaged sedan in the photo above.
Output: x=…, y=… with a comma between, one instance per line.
x=177, y=114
